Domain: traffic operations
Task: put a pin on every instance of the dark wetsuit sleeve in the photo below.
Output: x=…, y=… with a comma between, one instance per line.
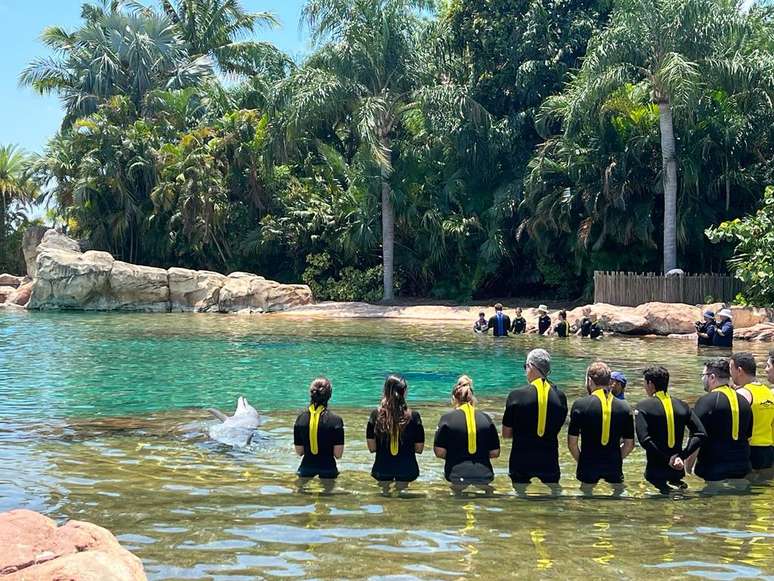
x=298, y=437
x=563, y=399
x=494, y=438
x=698, y=435
x=338, y=433
x=575, y=424
x=508, y=413
x=628, y=428
x=419, y=429
x=442, y=436
x=643, y=435
x=371, y=427
x=703, y=408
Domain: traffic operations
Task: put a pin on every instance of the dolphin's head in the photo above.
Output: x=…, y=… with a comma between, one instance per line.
x=244, y=408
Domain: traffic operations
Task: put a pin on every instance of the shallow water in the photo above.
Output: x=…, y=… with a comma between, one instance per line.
x=101, y=419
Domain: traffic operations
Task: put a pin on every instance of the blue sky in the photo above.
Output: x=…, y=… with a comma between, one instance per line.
x=29, y=119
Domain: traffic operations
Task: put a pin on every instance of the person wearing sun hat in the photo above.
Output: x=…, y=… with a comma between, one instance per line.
x=724, y=332
x=618, y=384
x=544, y=321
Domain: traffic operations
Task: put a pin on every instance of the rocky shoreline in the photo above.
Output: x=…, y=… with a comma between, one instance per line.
x=63, y=277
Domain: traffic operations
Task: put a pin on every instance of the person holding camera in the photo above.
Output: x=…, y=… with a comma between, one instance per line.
x=706, y=329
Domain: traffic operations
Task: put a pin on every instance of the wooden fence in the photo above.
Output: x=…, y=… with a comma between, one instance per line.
x=632, y=289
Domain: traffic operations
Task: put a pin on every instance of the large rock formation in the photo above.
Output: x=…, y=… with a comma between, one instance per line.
x=33, y=548
x=66, y=278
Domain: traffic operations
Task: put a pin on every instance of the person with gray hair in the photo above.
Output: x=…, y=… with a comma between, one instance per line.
x=534, y=415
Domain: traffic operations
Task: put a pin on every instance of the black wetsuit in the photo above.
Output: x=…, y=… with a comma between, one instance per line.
x=708, y=328
x=461, y=466
x=598, y=461
x=480, y=327
x=500, y=327
x=562, y=329
x=330, y=433
x=722, y=457
x=519, y=326
x=727, y=337
x=544, y=324
x=532, y=455
x=650, y=423
x=403, y=466
x=590, y=329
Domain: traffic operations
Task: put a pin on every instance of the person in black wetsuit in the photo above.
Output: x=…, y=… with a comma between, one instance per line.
x=467, y=440
x=519, y=323
x=727, y=419
x=660, y=422
x=562, y=328
x=605, y=428
x=544, y=321
x=589, y=326
x=500, y=323
x=395, y=434
x=318, y=435
x=705, y=330
x=534, y=415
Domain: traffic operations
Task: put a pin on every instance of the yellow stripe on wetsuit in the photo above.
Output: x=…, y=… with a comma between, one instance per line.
x=606, y=400
x=669, y=411
x=542, y=387
x=470, y=422
x=394, y=443
x=734, y=403
x=314, y=424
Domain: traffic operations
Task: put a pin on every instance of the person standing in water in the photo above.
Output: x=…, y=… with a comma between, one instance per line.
x=743, y=369
x=318, y=436
x=467, y=440
x=705, y=330
x=589, y=326
x=481, y=325
x=395, y=434
x=727, y=419
x=605, y=428
x=618, y=384
x=562, y=328
x=724, y=330
x=534, y=415
x=660, y=422
x=544, y=321
x=500, y=323
x=519, y=323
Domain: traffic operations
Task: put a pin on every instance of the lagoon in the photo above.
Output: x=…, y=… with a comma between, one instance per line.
x=101, y=419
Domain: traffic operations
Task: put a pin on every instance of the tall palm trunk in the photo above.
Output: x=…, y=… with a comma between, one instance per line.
x=669, y=160
x=388, y=237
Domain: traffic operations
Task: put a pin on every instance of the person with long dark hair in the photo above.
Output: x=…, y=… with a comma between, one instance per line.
x=467, y=440
x=395, y=434
x=318, y=435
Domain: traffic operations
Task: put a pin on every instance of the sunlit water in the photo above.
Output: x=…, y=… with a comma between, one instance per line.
x=101, y=419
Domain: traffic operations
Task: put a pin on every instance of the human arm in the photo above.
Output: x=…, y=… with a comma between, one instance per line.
x=643, y=434
x=338, y=451
x=299, y=450
x=627, y=435
x=441, y=440
x=627, y=446
x=508, y=417
x=338, y=440
x=419, y=433
x=572, y=445
x=371, y=432
x=697, y=435
x=298, y=439
x=573, y=432
x=494, y=441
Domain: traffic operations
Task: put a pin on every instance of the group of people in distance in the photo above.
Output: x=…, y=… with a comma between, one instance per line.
x=716, y=330
x=730, y=430
x=501, y=324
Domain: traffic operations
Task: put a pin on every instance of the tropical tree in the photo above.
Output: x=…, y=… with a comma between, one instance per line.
x=672, y=48
x=17, y=191
x=371, y=71
x=115, y=52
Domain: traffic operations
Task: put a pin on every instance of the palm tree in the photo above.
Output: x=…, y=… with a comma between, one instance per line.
x=214, y=27
x=113, y=53
x=16, y=189
x=370, y=73
x=672, y=48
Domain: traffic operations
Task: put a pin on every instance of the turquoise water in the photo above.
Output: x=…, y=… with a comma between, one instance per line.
x=101, y=419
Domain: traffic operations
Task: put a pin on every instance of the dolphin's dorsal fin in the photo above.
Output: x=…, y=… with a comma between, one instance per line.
x=218, y=414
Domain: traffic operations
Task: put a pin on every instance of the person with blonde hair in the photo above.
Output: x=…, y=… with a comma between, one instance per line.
x=318, y=436
x=395, y=434
x=467, y=440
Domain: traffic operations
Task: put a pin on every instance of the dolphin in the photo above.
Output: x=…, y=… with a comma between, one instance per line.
x=236, y=430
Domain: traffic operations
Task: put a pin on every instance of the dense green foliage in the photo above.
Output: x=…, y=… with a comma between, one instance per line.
x=17, y=192
x=753, y=239
x=476, y=149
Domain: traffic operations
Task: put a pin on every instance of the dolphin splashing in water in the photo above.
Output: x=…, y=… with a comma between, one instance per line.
x=237, y=430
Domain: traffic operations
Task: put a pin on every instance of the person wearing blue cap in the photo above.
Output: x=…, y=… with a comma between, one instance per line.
x=618, y=384
x=706, y=329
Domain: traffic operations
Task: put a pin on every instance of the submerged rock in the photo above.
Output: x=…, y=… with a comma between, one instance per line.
x=67, y=278
x=33, y=548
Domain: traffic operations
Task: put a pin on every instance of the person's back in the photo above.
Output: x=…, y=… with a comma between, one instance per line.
x=318, y=435
x=544, y=323
x=727, y=419
x=600, y=441
x=467, y=459
x=660, y=424
x=562, y=328
x=500, y=323
x=535, y=415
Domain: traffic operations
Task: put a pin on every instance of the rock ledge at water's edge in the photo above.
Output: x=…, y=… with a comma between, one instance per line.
x=67, y=278
x=33, y=548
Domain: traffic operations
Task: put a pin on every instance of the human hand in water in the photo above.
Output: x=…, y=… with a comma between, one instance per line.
x=676, y=462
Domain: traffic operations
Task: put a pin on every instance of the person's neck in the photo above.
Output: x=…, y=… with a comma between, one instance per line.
x=746, y=379
x=719, y=385
x=605, y=388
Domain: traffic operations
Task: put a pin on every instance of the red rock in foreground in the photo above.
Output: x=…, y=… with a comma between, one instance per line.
x=33, y=548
